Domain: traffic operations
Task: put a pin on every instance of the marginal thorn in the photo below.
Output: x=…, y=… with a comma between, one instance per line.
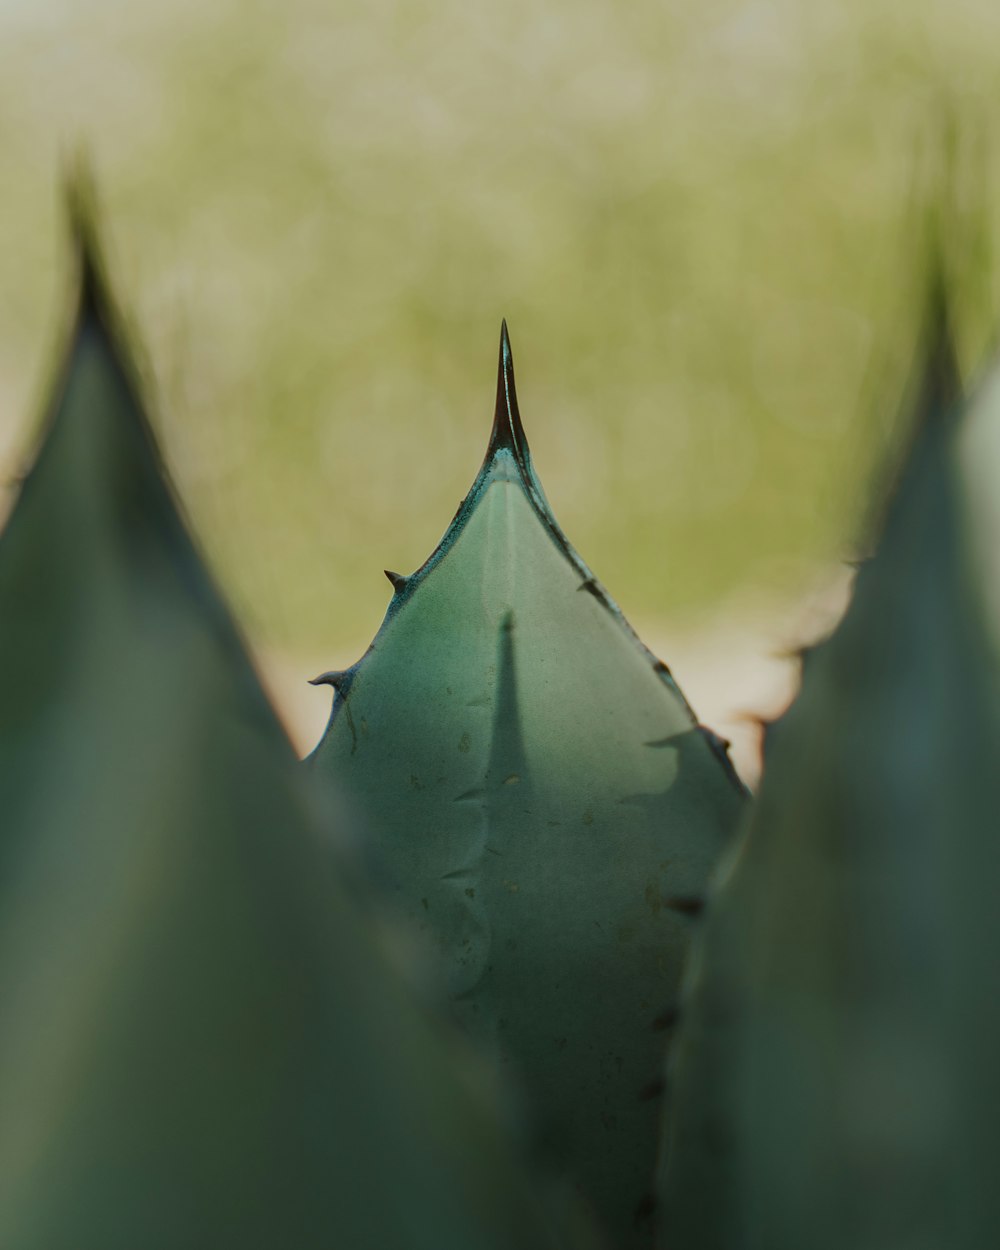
x=591, y=587
x=334, y=678
x=397, y=580
x=719, y=747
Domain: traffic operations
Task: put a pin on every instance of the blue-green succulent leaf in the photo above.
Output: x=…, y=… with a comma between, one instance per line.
x=545, y=807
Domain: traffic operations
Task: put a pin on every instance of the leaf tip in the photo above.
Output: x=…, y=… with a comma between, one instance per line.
x=507, y=432
x=80, y=199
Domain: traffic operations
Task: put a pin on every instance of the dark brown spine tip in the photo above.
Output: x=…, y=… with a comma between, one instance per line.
x=396, y=580
x=507, y=428
x=334, y=678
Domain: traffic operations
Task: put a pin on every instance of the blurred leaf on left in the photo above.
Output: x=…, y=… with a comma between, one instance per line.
x=202, y=1044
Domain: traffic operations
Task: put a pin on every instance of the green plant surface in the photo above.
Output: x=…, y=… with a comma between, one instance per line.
x=546, y=810
x=202, y=1044
x=835, y=1074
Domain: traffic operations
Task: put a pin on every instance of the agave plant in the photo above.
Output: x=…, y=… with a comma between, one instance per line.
x=835, y=1074
x=202, y=1044
x=545, y=808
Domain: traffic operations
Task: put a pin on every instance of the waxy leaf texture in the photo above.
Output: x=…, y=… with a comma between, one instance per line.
x=545, y=808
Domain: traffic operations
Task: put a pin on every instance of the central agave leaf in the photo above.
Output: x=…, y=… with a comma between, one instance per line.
x=547, y=810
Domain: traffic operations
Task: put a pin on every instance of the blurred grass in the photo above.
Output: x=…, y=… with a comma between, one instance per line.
x=698, y=221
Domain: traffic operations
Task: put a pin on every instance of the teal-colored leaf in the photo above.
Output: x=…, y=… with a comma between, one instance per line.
x=201, y=1045
x=835, y=1074
x=546, y=809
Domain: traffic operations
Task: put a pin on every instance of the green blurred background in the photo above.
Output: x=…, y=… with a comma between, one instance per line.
x=697, y=219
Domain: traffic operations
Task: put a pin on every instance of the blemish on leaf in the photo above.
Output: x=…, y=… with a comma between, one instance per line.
x=350, y=726
x=592, y=588
x=469, y=796
x=666, y=1020
x=688, y=905
x=645, y=1208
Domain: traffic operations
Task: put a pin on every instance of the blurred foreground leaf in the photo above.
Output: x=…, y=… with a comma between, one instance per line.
x=201, y=1045
x=835, y=1075
x=546, y=809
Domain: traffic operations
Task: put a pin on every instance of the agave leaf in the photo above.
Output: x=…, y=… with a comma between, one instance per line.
x=835, y=1069
x=201, y=1043
x=545, y=807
